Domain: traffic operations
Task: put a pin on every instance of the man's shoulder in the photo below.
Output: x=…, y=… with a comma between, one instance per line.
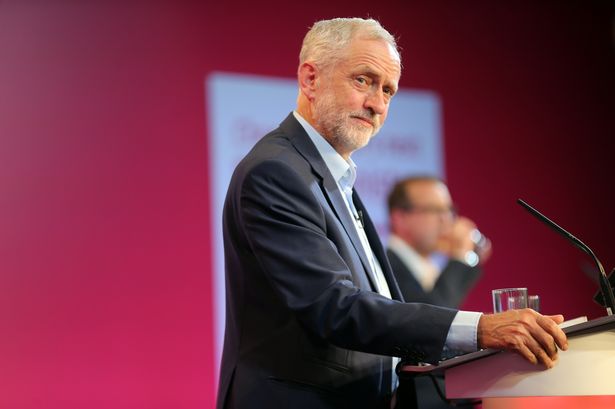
x=276, y=152
x=277, y=141
x=276, y=146
x=397, y=264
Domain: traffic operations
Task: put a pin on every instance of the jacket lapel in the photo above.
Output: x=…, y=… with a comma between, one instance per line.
x=306, y=148
x=378, y=249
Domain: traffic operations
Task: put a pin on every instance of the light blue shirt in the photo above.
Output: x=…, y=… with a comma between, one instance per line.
x=462, y=335
x=345, y=173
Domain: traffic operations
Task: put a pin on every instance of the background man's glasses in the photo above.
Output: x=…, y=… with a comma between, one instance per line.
x=440, y=211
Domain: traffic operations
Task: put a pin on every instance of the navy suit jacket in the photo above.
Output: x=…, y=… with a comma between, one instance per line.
x=304, y=327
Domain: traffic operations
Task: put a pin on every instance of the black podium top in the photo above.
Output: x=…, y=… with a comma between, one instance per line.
x=587, y=327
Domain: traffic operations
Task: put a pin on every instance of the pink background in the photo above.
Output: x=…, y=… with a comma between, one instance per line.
x=105, y=286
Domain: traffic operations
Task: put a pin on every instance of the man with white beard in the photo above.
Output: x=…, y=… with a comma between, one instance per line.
x=314, y=314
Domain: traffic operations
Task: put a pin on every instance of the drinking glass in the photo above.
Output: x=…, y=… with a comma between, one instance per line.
x=509, y=299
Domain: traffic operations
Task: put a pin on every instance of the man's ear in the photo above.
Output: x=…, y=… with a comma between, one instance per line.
x=396, y=219
x=308, y=76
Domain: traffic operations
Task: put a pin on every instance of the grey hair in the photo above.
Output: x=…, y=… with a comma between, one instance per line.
x=325, y=42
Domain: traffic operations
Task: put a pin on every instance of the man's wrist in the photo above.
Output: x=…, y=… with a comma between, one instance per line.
x=462, y=334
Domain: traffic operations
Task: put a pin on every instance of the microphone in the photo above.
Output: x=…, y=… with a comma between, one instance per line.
x=359, y=218
x=598, y=296
x=605, y=286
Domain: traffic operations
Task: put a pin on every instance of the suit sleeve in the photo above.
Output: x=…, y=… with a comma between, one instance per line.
x=455, y=282
x=285, y=227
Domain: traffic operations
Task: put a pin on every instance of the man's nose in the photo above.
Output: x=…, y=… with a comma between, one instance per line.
x=376, y=102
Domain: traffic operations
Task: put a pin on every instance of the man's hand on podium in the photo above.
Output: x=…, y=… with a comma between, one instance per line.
x=526, y=332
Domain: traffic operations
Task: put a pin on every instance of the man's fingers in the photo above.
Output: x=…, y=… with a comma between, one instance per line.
x=532, y=350
x=533, y=336
x=545, y=356
x=526, y=353
x=550, y=324
x=546, y=360
x=543, y=341
x=545, y=337
x=557, y=318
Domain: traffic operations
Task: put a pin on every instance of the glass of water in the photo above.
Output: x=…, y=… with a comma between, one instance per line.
x=509, y=299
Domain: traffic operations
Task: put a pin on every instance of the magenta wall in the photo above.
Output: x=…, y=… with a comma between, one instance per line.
x=105, y=292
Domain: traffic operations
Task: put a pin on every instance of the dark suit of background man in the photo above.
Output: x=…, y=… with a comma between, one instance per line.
x=435, y=254
x=314, y=314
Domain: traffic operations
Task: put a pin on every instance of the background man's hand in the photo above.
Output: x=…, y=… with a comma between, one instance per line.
x=526, y=332
x=457, y=241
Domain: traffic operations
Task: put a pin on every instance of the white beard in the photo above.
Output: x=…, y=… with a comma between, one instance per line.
x=339, y=128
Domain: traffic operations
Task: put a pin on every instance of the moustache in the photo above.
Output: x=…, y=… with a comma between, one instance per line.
x=368, y=116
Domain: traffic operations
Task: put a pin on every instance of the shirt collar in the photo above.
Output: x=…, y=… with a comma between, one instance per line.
x=343, y=172
x=407, y=254
x=417, y=264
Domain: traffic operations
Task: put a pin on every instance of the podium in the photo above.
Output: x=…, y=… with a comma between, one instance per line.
x=502, y=379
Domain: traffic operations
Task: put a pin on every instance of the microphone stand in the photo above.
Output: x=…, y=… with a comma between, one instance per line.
x=605, y=286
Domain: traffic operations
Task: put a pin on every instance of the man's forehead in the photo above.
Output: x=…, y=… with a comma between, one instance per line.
x=427, y=190
x=376, y=56
x=374, y=45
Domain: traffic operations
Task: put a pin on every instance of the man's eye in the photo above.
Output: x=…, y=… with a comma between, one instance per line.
x=361, y=80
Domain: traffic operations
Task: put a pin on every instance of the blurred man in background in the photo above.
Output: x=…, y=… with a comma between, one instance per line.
x=435, y=254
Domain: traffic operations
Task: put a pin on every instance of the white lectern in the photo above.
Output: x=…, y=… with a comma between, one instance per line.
x=587, y=368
